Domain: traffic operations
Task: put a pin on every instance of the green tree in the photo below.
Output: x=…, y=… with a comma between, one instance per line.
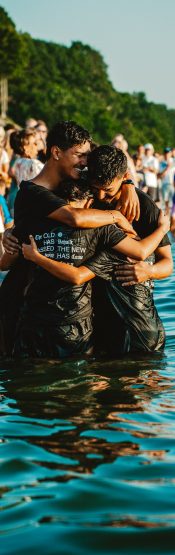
x=11, y=46
x=51, y=82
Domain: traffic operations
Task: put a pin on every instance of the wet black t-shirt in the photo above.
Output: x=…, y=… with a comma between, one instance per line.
x=133, y=321
x=32, y=203
x=148, y=220
x=59, y=242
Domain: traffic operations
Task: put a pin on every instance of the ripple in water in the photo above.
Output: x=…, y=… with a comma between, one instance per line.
x=87, y=452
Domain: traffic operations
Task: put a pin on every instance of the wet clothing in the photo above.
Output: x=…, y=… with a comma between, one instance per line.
x=133, y=321
x=56, y=318
x=149, y=214
x=122, y=305
x=33, y=204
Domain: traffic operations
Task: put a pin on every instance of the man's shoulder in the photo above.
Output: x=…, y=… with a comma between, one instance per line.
x=25, y=186
x=147, y=202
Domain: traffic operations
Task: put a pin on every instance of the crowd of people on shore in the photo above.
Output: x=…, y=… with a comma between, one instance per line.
x=23, y=154
x=80, y=212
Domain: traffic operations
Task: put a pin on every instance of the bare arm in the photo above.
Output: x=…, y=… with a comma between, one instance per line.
x=140, y=250
x=90, y=218
x=76, y=217
x=163, y=266
x=138, y=272
x=7, y=260
x=60, y=270
x=129, y=202
x=79, y=275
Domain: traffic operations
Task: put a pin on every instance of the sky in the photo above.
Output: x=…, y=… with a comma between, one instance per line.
x=135, y=37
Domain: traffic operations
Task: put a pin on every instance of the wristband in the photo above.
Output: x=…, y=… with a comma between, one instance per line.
x=127, y=182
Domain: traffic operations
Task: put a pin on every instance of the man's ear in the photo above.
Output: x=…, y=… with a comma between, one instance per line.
x=56, y=152
x=125, y=176
x=89, y=203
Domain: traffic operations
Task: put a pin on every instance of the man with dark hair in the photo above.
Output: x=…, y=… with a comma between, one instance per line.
x=105, y=163
x=56, y=318
x=129, y=311
x=102, y=162
x=66, y=134
x=68, y=145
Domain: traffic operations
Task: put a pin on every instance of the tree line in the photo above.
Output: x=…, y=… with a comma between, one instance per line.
x=51, y=81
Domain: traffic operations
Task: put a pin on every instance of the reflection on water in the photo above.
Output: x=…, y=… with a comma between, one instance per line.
x=87, y=452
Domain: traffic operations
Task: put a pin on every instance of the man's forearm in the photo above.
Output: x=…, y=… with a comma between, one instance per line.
x=161, y=269
x=7, y=260
x=84, y=218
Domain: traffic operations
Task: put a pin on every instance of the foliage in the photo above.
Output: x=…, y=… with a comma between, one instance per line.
x=11, y=46
x=51, y=82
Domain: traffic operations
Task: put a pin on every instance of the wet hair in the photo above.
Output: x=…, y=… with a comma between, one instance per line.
x=18, y=139
x=66, y=134
x=71, y=190
x=105, y=163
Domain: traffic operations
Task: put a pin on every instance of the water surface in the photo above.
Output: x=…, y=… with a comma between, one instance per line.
x=87, y=452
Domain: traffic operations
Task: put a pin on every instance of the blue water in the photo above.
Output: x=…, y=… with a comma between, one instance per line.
x=87, y=453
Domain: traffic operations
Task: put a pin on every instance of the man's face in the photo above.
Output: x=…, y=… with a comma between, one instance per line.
x=31, y=147
x=42, y=131
x=108, y=192
x=148, y=152
x=73, y=160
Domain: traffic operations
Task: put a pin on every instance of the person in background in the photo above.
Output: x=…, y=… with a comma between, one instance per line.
x=30, y=123
x=140, y=176
x=150, y=168
x=140, y=151
x=173, y=155
x=42, y=131
x=13, y=186
x=4, y=159
x=9, y=129
x=27, y=166
x=166, y=175
x=1, y=236
x=131, y=166
x=7, y=219
x=120, y=142
x=117, y=141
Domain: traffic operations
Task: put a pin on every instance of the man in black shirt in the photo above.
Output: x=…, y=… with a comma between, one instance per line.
x=38, y=190
x=102, y=165
x=56, y=318
x=68, y=145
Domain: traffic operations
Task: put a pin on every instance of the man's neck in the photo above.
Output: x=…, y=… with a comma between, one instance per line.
x=48, y=177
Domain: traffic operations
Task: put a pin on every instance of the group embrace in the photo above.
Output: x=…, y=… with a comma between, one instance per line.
x=72, y=223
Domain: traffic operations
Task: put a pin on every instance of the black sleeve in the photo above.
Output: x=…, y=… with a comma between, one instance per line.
x=36, y=201
x=148, y=220
x=110, y=235
x=102, y=264
x=46, y=202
